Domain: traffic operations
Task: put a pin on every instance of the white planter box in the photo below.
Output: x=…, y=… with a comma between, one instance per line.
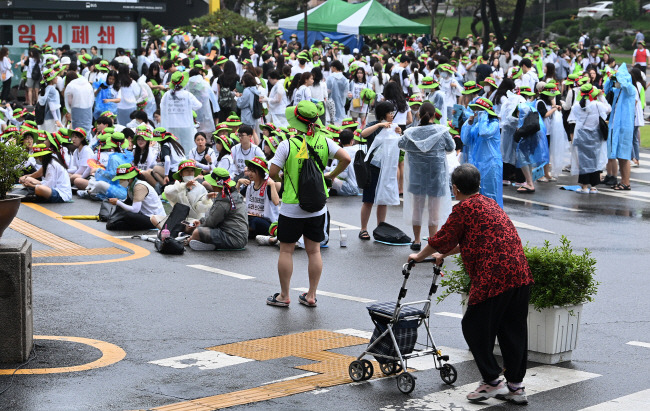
x=552, y=333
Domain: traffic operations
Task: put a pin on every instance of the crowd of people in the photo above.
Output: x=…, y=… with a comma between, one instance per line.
x=254, y=137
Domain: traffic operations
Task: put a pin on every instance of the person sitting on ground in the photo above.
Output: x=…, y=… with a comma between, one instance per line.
x=142, y=201
x=225, y=225
x=262, y=198
x=346, y=183
x=186, y=190
x=55, y=186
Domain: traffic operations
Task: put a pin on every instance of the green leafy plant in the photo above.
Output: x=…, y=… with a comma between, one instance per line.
x=455, y=281
x=626, y=9
x=225, y=23
x=561, y=276
x=12, y=156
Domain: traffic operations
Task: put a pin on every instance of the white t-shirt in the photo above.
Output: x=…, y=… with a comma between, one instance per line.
x=281, y=155
x=303, y=93
x=240, y=156
x=56, y=177
x=80, y=158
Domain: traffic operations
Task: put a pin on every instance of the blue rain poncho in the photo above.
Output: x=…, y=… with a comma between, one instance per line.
x=509, y=124
x=103, y=94
x=588, y=151
x=427, y=199
x=105, y=187
x=621, y=121
x=532, y=150
x=386, y=156
x=483, y=140
x=437, y=98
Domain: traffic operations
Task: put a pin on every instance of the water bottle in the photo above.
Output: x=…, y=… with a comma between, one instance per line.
x=164, y=233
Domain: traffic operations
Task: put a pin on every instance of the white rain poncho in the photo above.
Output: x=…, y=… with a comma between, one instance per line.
x=560, y=149
x=437, y=98
x=386, y=156
x=203, y=92
x=589, y=152
x=151, y=107
x=509, y=126
x=427, y=200
x=196, y=198
x=176, y=116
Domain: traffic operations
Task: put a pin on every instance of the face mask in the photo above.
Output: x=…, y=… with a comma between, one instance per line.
x=188, y=178
x=124, y=183
x=39, y=161
x=487, y=89
x=445, y=75
x=193, y=53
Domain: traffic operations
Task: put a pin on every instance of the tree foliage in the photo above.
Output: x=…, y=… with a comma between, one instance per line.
x=626, y=9
x=225, y=23
x=285, y=8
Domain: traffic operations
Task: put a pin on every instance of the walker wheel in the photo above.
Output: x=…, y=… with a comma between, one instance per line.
x=448, y=374
x=388, y=368
x=368, y=369
x=356, y=370
x=406, y=382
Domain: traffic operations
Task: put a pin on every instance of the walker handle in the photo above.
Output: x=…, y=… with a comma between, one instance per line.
x=412, y=263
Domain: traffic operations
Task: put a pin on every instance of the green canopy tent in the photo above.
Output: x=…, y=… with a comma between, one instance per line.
x=338, y=16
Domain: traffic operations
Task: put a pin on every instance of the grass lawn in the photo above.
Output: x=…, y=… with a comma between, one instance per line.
x=645, y=136
x=450, y=24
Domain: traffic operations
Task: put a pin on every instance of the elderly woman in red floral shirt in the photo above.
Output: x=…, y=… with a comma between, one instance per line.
x=493, y=256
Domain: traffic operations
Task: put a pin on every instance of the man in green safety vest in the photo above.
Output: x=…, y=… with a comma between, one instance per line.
x=295, y=222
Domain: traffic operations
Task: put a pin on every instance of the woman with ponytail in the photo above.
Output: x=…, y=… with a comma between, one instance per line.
x=588, y=144
x=426, y=173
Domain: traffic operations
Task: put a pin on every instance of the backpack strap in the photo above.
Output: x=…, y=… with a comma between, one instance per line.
x=315, y=155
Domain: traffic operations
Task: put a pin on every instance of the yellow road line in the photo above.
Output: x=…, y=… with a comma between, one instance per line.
x=80, y=251
x=111, y=354
x=138, y=252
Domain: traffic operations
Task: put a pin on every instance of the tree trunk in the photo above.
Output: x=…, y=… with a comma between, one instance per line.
x=404, y=8
x=496, y=24
x=237, y=7
x=517, y=19
x=486, y=24
x=459, y=19
x=434, y=13
x=476, y=20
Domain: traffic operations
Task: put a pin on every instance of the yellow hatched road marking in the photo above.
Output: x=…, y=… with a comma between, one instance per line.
x=332, y=368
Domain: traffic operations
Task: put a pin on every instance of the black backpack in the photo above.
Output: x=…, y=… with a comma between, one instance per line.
x=226, y=99
x=587, y=42
x=257, y=107
x=36, y=73
x=311, y=192
x=361, y=169
x=39, y=113
x=529, y=128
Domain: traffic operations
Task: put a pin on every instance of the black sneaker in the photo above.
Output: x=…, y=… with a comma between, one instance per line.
x=416, y=246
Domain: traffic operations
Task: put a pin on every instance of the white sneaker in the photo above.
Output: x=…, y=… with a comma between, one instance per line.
x=82, y=193
x=263, y=239
x=517, y=396
x=485, y=391
x=200, y=246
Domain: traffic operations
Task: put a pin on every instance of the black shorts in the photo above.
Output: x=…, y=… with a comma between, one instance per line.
x=291, y=229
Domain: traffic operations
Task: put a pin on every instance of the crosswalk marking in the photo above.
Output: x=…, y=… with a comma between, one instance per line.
x=519, y=224
x=639, y=344
x=344, y=226
x=204, y=360
x=355, y=333
x=525, y=200
x=637, y=401
x=538, y=379
x=337, y=295
x=295, y=377
x=630, y=195
x=220, y=271
x=446, y=314
x=644, y=155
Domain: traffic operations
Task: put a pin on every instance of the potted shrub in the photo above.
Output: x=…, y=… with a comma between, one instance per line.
x=564, y=281
x=12, y=156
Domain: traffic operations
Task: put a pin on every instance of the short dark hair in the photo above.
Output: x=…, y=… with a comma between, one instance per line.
x=383, y=109
x=105, y=120
x=526, y=62
x=244, y=128
x=337, y=65
x=346, y=136
x=466, y=178
x=273, y=75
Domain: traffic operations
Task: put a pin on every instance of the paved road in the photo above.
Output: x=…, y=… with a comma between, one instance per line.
x=180, y=328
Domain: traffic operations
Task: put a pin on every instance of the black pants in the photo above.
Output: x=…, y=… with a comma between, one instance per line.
x=123, y=220
x=590, y=178
x=503, y=317
x=6, y=90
